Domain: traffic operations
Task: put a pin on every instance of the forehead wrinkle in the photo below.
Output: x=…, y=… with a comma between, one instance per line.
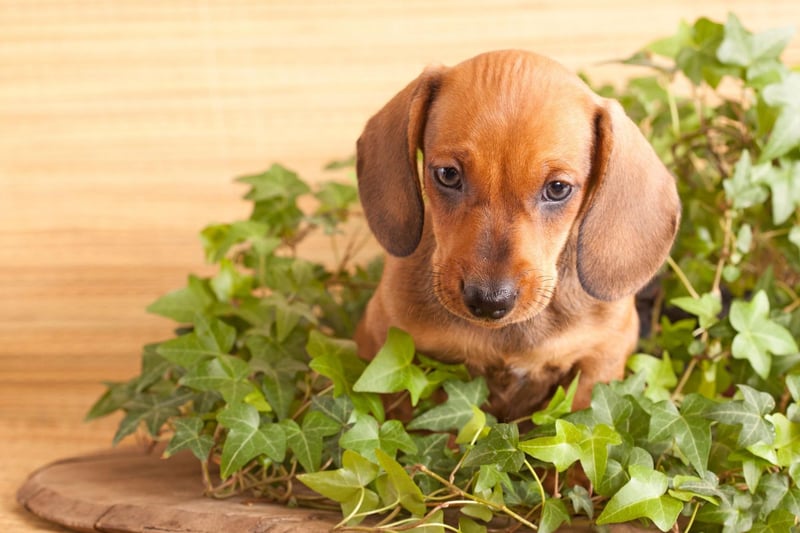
x=511, y=115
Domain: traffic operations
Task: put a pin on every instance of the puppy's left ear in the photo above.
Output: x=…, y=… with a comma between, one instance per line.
x=386, y=164
x=632, y=213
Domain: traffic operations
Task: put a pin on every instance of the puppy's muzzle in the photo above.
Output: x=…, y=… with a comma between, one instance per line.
x=490, y=302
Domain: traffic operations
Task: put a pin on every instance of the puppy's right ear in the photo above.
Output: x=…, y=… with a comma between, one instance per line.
x=388, y=180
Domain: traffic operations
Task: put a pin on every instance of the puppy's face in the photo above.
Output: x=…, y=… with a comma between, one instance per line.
x=506, y=166
x=521, y=160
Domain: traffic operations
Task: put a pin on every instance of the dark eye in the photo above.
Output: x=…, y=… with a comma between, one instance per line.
x=557, y=191
x=447, y=177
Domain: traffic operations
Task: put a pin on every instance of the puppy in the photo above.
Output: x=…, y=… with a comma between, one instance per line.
x=516, y=246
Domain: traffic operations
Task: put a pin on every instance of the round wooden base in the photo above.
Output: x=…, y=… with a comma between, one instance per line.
x=129, y=490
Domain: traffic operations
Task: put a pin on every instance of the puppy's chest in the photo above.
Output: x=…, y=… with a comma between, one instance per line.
x=520, y=367
x=518, y=392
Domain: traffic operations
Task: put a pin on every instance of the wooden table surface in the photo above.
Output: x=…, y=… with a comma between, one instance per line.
x=122, y=125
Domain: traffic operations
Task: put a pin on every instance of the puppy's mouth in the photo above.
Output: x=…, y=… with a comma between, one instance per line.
x=494, y=303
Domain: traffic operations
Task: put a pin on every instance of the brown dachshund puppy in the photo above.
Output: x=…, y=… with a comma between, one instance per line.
x=538, y=210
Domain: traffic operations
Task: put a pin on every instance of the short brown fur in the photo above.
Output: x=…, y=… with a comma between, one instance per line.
x=511, y=122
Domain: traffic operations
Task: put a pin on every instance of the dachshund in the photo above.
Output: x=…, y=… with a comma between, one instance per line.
x=518, y=239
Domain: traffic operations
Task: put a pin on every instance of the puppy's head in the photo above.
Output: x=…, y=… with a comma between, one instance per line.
x=521, y=160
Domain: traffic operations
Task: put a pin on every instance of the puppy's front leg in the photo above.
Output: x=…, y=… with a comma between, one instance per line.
x=598, y=369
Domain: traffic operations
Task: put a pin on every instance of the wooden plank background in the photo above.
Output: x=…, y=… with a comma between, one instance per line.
x=122, y=124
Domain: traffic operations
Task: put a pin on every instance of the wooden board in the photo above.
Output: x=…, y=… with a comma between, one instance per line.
x=130, y=490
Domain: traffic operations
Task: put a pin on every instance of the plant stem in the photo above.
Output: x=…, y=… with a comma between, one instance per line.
x=691, y=520
x=455, y=489
x=542, y=492
x=354, y=512
x=682, y=276
x=209, y=486
x=725, y=252
x=684, y=378
x=463, y=457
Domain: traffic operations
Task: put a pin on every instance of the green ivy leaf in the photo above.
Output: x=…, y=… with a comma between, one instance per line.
x=288, y=315
x=593, y=450
x=561, y=450
x=276, y=182
x=392, y=369
x=741, y=48
x=758, y=337
x=733, y=511
x=406, y=491
x=787, y=443
x=467, y=525
x=706, y=308
x=478, y=510
x=335, y=200
x=225, y=374
x=784, y=184
x=154, y=368
x=779, y=521
x=230, y=284
x=489, y=477
x=183, y=304
x=279, y=371
x=658, y=373
x=246, y=440
x=791, y=501
x=747, y=413
x=554, y=514
x=363, y=437
x=211, y=337
x=705, y=488
x=737, y=46
x=432, y=451
x=610, y=408
x=794, y=236
x=218, y=239
x=394, y=437
x=499, y=447
x=307, y=442
x=672, y=45
x=691, y=433
x=785, y=92
x=343, y=484
x=581, y=500
x=457, y=410
x=744, y=189
x=151, y=409
x=785, y=134
x=793, y=386
x=697, y=57
x=115, y=396
x=474, y=429
x=188, y=436
x=559, y=405
x=642, y=497
x=359, y=505
x=337, y=359
x=772, y=488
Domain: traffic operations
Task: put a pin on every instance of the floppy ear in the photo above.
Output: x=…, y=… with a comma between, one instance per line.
x=388, y=179
x=633, y=210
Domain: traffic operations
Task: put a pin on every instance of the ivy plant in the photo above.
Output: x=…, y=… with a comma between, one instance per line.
x=264, y=386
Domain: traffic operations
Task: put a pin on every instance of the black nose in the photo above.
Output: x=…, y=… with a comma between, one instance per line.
x=490, y=301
